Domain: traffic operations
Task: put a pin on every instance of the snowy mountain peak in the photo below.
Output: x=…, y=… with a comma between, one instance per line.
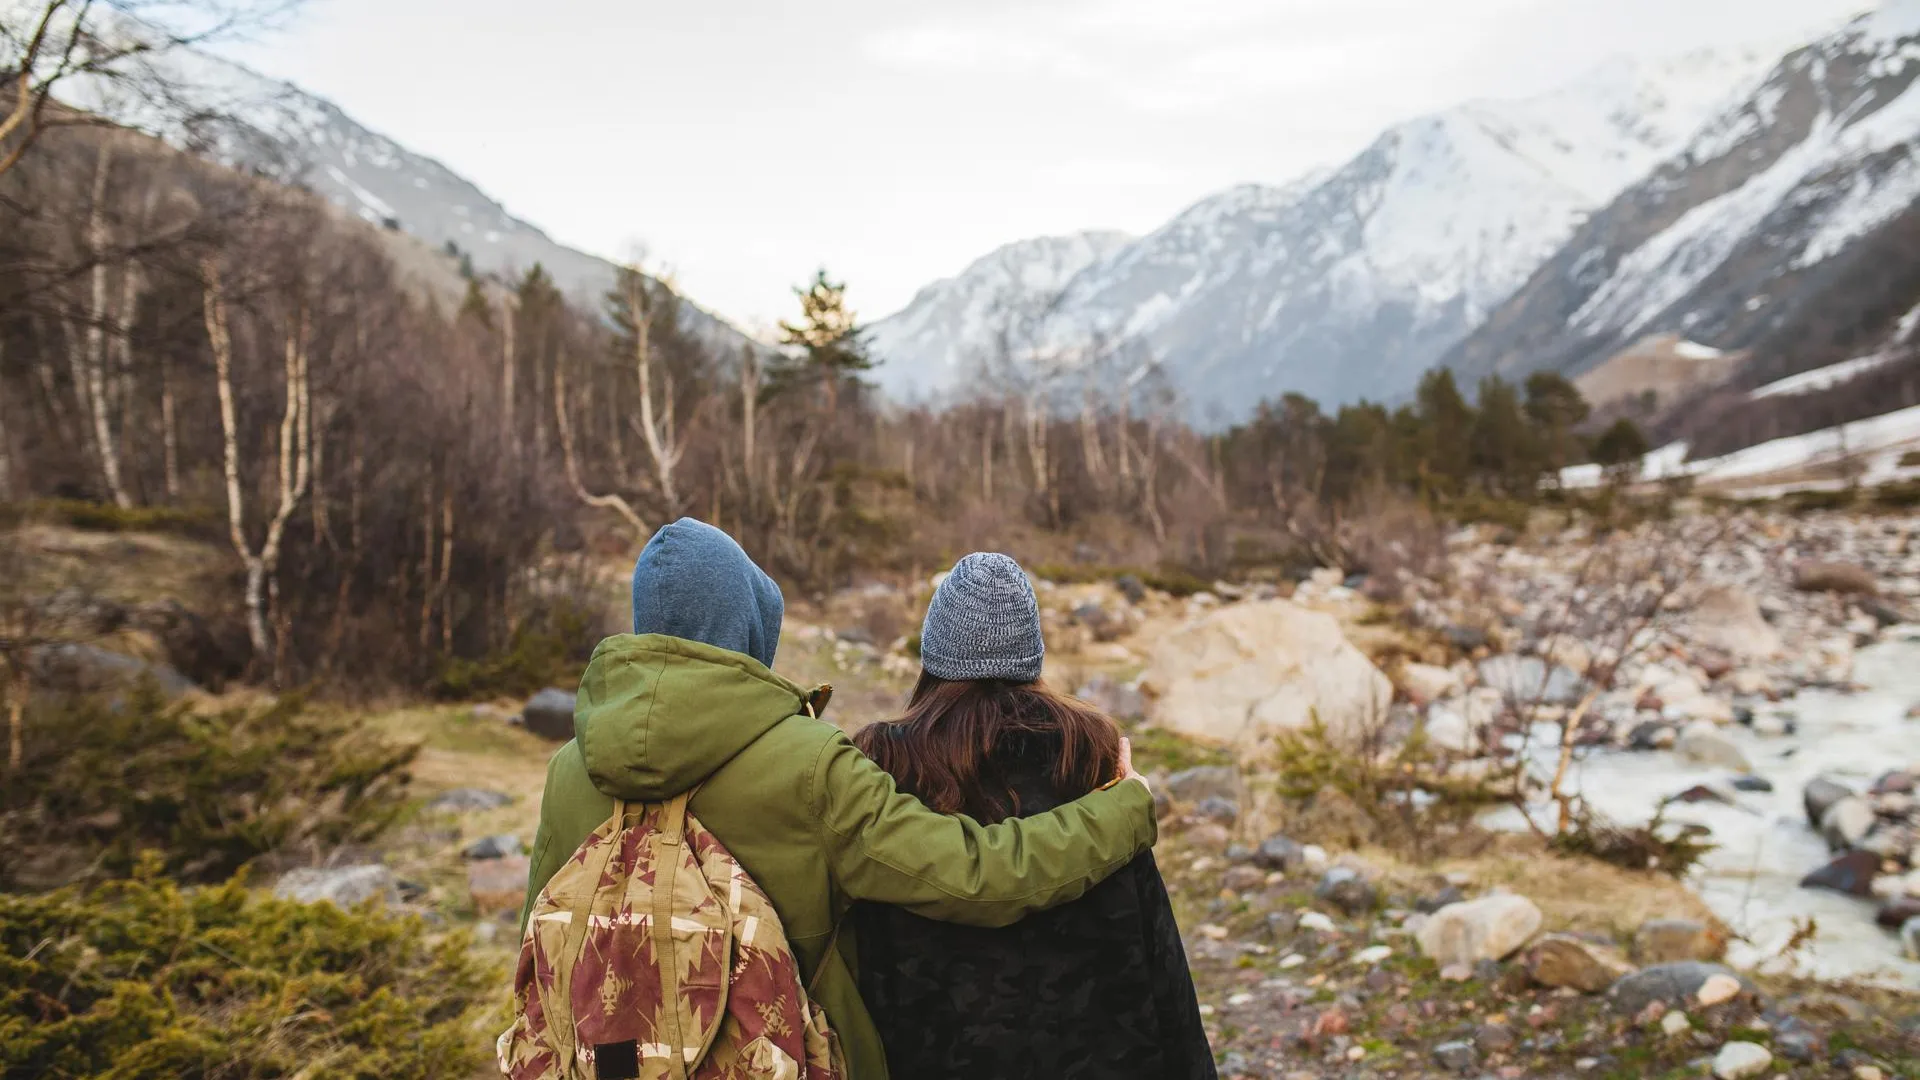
x=957, y=322
x=1351, y=281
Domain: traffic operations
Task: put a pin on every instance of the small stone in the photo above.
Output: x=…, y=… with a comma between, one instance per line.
x=1345, y=889
x=1210, y=837
x=1241, y=879
x=1372, y=955
x=1282, y=924
x=1458, y=1057
x=1493, y=1038
x=1868, y=1072
x=1893, y=783
x=1910, y=938
x=1819, y=796
x=492, y=847
x=1291, y=961
x=1847, y=822
x=1313, y=858
x=1851, y=873
x=1317, y=922
x=1703, y=743
x=1217, y=809
x=1739, y=1060
x=1700, y=793
x=1279, y=853
x=1673, y=984
x=1211, y=931
x=1752, y=784
x=1558, y=960
x=549, y=714
x=466, y=799
x=1490, y=928
x=1427, y=905
x=1717, y=989
x=1456, y=973
x=497, y=886
x=1675, y=1023
x=1331, y=1022
x=1203, y=782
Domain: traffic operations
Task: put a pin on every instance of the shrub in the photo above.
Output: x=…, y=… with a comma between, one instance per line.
x=103, y=781
x=545, y=651
x=1807, y=502
x=1902, y=495
x=144, y=979
x=106, y=517
x=1640, y=848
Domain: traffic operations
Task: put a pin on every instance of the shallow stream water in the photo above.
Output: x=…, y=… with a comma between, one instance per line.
x=1765, y=846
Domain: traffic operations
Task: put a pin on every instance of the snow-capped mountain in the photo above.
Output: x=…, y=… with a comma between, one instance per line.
x=1352, y=282
x=960, y=323
x=274, y=127
x=1754, y=232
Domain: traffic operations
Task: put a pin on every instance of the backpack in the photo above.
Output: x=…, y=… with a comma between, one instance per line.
x=600, y=994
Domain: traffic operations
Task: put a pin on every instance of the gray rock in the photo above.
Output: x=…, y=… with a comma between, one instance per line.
x=1847, y=822
x=1131, y=588
x=1653, y=735
x=1705, y=744
x=1851, y=873
x=493, y=847
x=1204, y=781
x=549, y=714
x=1282, y=924
x=1215, y=808
x=1752, y=784
x=1820, y=795
x=1670, y=984
x=1279, y=853
x=73, y=668
x=1118, y=700
x=342, y=886
x=1910, y=938
x=1345, y=889
x=1459, y=1057
x=468, y=800
x=1527, y=679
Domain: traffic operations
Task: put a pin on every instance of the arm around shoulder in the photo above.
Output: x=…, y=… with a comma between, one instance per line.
x=886, y=846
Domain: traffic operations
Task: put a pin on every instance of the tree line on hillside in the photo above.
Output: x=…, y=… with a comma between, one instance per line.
x=398, y=476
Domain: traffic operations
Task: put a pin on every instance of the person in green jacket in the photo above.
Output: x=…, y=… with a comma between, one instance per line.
x=689, y=701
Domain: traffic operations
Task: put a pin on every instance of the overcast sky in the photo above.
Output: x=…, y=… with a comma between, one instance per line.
x=744, y=143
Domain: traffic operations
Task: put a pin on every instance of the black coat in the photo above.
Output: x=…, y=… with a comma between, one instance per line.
x=1097, y=989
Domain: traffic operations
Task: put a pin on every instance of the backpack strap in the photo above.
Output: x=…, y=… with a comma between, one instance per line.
x=826, y=957
x=578, y=923
x=673, y=828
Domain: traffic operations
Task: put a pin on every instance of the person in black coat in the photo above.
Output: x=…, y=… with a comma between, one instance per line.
x=1097, y=989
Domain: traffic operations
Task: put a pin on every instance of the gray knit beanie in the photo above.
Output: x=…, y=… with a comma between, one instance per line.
x=984, y=623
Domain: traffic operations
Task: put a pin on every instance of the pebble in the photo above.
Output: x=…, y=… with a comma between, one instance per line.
x=1291, y=961
x=1314, y=920
x=1458, y=1057
x=1716, y=989
x=1868, y=1072
x=1675, y=1023
x=1372, y=955
x=1456, y=973
x=1739, y=1060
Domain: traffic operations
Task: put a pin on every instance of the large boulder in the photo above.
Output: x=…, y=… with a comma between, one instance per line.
x=549, y=714
x=74, y=668
x=1242, y=674
x=1490, y=928
x=1728, y=619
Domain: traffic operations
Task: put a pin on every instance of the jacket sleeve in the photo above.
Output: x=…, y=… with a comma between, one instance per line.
x=886, y=846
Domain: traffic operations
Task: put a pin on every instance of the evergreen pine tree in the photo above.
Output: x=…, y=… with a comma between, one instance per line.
x=832, y=354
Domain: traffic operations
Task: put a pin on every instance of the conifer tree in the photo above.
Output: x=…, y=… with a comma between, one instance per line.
x=832, y=355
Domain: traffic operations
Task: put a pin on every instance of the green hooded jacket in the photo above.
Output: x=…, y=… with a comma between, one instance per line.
x=815, y=822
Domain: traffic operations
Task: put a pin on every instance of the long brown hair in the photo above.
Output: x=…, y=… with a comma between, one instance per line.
x=943, y=750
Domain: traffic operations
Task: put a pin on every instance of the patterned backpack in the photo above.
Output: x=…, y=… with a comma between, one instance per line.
x=601, y=994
